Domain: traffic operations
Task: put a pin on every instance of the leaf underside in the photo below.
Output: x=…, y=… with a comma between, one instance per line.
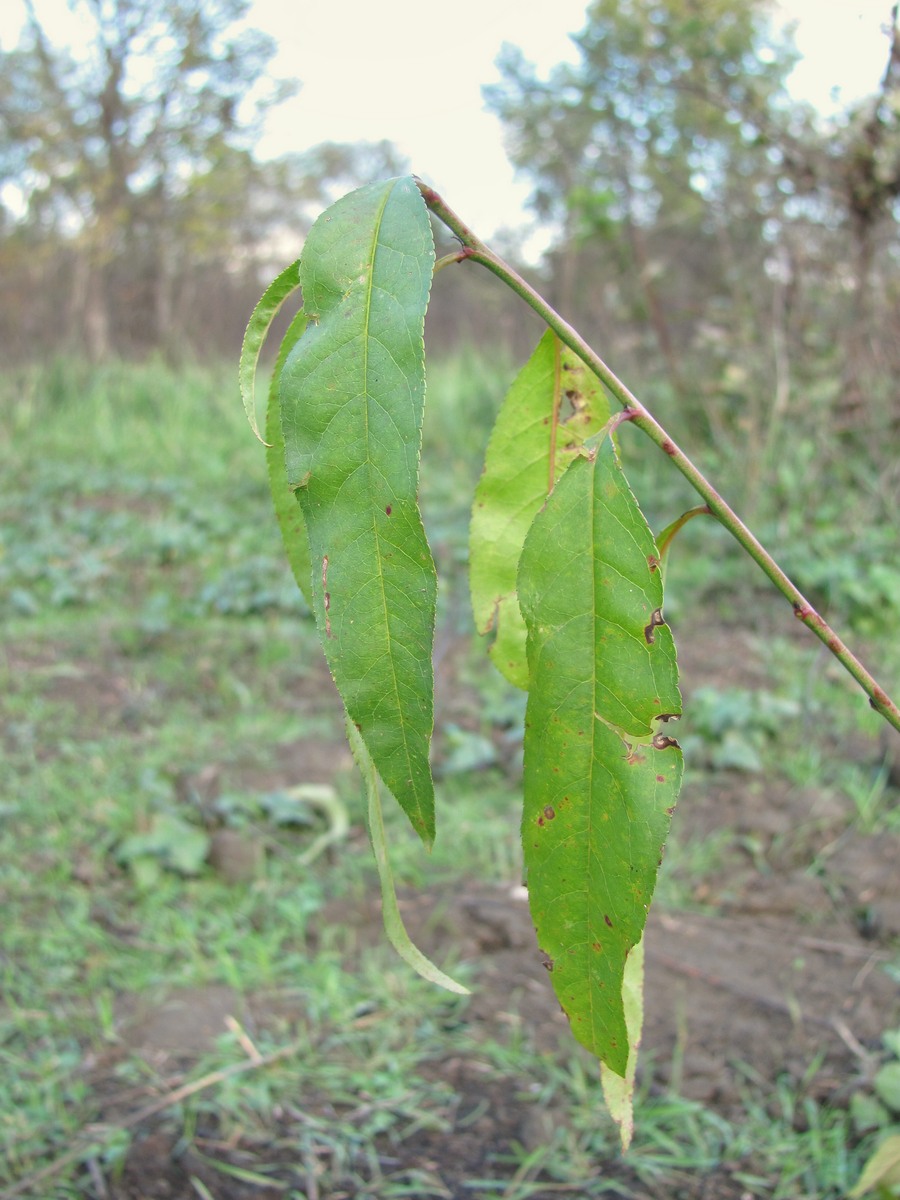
x=601, y=774
x=552, y=407
x=352, y=396
x=281, y=287
x=284, y=501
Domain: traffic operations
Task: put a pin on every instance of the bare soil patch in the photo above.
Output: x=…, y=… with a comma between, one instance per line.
x=776, y=965
x=732, y=1001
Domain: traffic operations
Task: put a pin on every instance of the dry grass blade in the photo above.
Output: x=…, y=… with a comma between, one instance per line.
x=103, y=1133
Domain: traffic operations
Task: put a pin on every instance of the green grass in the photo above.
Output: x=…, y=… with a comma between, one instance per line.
x=157, y=657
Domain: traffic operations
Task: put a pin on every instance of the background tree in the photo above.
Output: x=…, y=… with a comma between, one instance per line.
x=132, y=186
x=859, y=173
x=647, y=153
x=724, y=235
x=128, y=154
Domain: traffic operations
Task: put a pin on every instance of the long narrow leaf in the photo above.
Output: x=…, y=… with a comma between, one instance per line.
x=260, y=322
x=352, y=396
x=601, y=775
x=393, y=921
x=554, y=404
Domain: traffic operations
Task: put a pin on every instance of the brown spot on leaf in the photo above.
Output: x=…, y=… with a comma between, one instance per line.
x=656, y=619
x=662, y=742
x=388, y=510
x=607, y=920
x=549, y=812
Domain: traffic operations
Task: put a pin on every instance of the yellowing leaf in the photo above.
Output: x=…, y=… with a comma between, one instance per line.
x=882, y=1170
x=554, y=404
x=618, y=1091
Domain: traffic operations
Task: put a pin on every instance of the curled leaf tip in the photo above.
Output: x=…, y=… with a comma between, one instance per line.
x=255, y=334
x=393, y=921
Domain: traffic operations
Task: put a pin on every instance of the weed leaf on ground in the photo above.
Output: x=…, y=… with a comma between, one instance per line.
x=352, y=395
x=601, y=774
x=554, y=404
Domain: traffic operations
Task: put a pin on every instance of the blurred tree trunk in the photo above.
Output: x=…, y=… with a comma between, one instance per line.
x=104, y=145
x=871, y=185
x=89, y=318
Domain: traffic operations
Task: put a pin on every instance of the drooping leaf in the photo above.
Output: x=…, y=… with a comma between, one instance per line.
x=393, y=921
x=601, y=777
x=352, y=396
x=667, y=536
x=258, y=326
x=618, y=1091
x=554, y=404
x=284, y=500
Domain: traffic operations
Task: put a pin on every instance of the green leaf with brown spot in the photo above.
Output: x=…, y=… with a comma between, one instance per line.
x=553, y=406
x=602, y=771
x=352, y=394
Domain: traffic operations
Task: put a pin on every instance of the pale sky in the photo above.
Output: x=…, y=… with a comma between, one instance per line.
x=411, y=71
x=403, y=70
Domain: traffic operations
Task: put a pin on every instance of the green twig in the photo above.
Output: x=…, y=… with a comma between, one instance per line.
x=476, y=250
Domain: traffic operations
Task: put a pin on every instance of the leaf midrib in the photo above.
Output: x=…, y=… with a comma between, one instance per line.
x=595, y=543
x=369, y=464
